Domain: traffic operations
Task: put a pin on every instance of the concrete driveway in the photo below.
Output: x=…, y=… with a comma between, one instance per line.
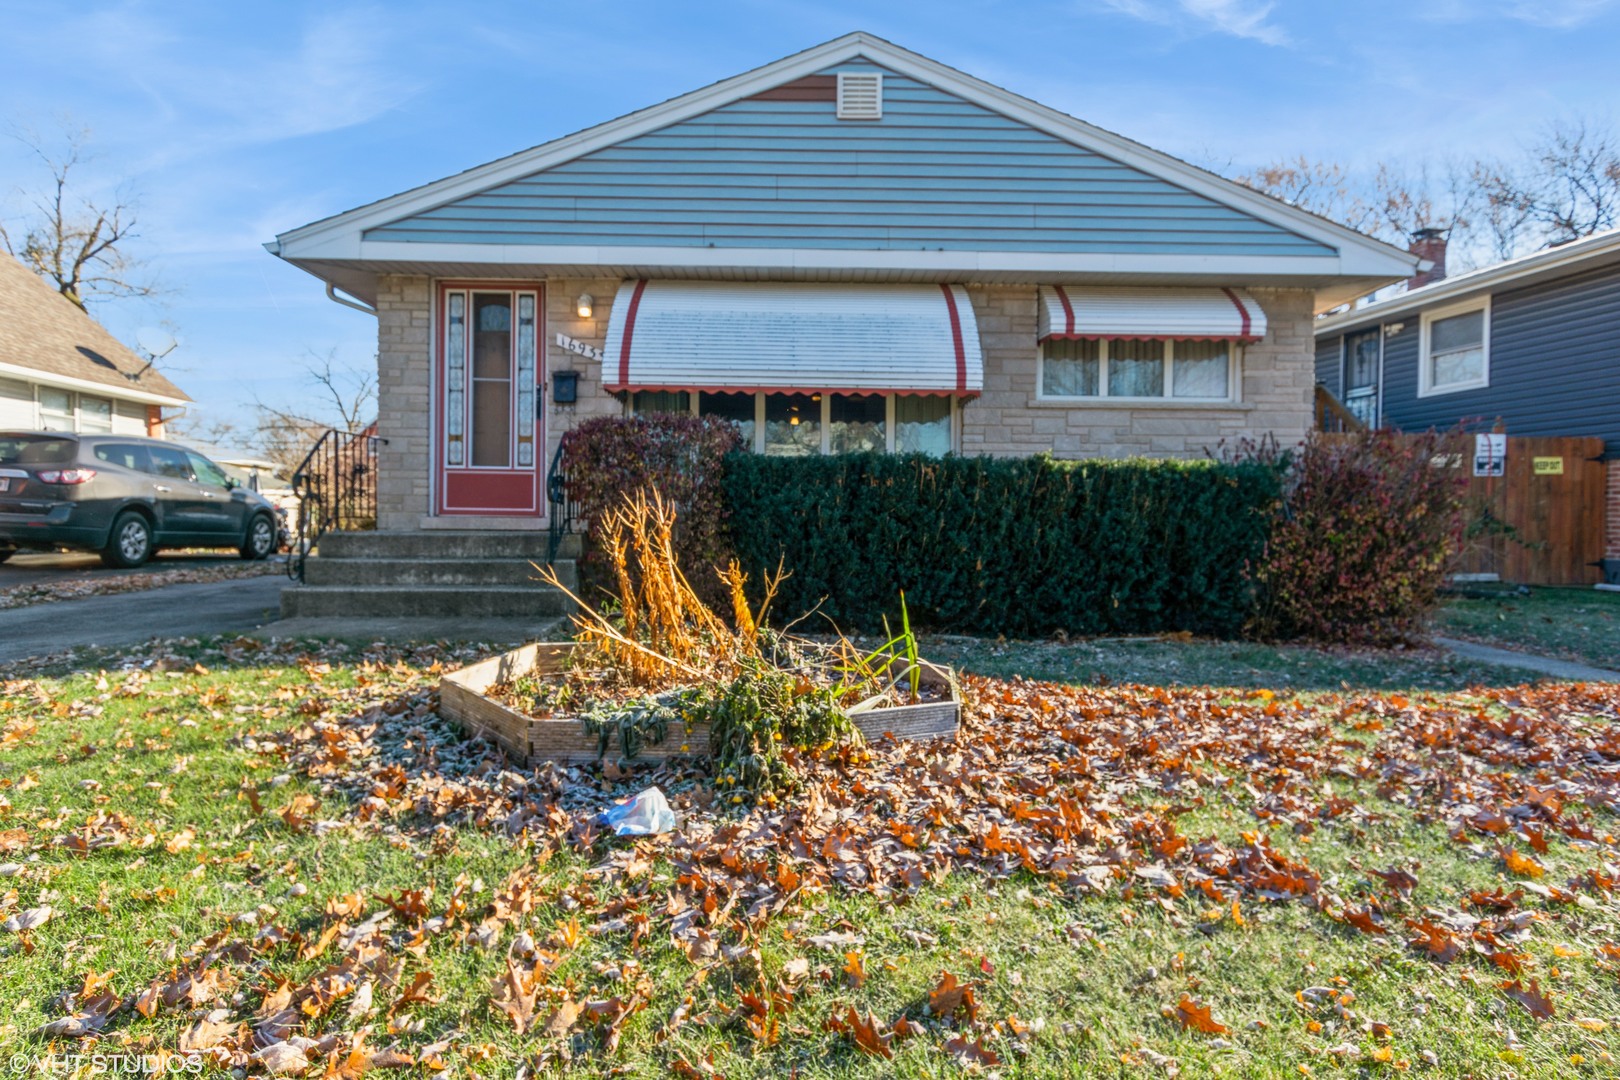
x=44, y=567
x=216, y=607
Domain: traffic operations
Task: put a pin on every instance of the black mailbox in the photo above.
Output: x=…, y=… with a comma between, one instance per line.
x=565, y=387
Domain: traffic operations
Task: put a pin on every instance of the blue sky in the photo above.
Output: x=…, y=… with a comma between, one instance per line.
x=233, y=122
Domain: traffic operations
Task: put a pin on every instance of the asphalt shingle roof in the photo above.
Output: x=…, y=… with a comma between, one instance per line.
x=44, y=331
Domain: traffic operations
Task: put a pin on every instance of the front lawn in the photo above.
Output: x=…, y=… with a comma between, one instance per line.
x=1572, y=624
x=281, y=859
x=1172, y=661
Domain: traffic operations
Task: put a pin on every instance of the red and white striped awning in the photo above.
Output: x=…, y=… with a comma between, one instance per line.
x=827, y=338
x=1183, y=314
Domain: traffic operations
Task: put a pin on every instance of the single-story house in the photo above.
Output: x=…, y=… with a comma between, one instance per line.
x=1532, y=343
x=854, y=247
x=60, y=370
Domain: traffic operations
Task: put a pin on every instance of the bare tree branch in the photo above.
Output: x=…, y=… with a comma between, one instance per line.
x=1564, y=187
x=78, y=246
x=1568, y=188
x=344, y=398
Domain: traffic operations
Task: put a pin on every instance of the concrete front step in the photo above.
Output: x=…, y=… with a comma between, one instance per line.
x=512, y=573
x=442, y=544
x=448, y=601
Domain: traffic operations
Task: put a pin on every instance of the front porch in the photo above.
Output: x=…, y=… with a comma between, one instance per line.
x=434, y=572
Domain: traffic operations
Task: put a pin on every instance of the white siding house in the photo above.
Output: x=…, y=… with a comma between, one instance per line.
x=61, y=370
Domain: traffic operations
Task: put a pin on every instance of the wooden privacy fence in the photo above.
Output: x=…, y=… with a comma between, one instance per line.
x=1539, y=523
x=1550, y=502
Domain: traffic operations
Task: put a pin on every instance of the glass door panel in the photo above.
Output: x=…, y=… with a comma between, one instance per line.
x=491, y=419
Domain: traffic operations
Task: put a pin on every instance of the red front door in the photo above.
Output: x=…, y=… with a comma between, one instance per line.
x=488, y=390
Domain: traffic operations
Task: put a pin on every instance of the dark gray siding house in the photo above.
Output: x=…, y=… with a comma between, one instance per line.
x=1533, y=343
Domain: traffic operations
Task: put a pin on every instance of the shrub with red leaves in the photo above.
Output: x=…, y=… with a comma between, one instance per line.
x=1360, y=550
x=680, y=457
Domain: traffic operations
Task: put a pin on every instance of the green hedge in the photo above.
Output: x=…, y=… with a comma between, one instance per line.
x=1006, y=546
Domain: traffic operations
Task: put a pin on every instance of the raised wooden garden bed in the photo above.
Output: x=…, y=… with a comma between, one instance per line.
x=464, y=697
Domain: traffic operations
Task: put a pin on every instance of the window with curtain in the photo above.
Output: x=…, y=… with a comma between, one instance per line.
x=1200, y=369
x=1455, y=354
x=738, y=409
x=793, y=424
x=857, y=423
x=1130, y=368
x=1071, y=368
x=662, y=401
x=805, y=424
x=922, y=424
x=1136, y=368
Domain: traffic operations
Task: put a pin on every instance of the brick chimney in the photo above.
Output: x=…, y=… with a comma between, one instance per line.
x=1428, y=244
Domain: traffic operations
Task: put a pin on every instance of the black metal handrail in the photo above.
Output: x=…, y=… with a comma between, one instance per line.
x=336, y=488
x=561, y=507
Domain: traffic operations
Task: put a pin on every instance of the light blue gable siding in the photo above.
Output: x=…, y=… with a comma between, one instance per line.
x=935, y=173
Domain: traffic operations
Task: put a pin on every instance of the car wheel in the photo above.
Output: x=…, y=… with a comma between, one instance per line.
x=261, y=539
x=130, y=542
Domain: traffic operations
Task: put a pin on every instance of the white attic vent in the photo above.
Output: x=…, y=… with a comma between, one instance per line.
x=860, y=95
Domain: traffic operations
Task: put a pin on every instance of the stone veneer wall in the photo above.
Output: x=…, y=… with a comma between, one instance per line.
x=1278, y=378
x=562, y=317
x=404, y=383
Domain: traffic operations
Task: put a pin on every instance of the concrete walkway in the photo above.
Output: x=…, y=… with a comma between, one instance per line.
x=214, y=607
x=1556, y=669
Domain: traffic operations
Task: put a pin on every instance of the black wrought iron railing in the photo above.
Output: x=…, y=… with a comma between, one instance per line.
x=336, y=487
x=561, y=506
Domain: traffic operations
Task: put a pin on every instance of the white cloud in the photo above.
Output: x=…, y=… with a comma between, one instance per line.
x=1553, y=14
x=1562, y=14
x=1240, y=18
x=335, y=75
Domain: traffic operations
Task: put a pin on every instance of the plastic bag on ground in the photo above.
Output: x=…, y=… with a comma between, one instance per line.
x=645, y=814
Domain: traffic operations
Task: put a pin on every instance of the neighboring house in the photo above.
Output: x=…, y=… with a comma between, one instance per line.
x=855, y=247
x=61, y=370
x=1533, y=342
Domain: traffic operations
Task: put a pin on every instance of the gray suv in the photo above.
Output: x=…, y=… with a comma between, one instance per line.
x=125, y=497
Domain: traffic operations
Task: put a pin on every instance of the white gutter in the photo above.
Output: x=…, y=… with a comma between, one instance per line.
x=68, y=382
x=331, y=294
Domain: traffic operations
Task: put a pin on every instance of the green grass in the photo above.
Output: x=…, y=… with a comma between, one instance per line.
x=1571, y=624
x=1197, y=662
x=1069, y=983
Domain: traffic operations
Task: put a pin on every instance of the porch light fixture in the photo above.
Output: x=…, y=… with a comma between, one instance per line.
x=585, y=305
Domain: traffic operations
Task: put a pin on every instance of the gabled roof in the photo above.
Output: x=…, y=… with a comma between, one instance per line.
x=47, y=337
x=371, y=239
x=1577, y=256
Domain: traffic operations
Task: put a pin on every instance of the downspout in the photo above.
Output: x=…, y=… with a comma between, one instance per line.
x=331, y=294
